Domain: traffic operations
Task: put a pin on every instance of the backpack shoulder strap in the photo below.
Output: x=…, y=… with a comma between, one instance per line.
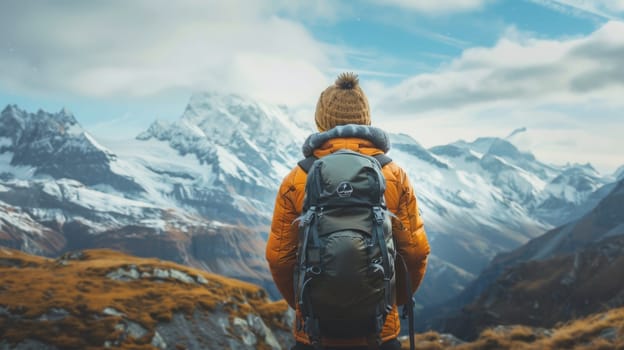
x=306, y=164
x=383, y=159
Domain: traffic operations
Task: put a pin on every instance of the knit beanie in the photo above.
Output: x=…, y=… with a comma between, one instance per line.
x=342, y=103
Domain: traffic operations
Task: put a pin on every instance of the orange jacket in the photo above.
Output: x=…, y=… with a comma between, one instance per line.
x=409, y=233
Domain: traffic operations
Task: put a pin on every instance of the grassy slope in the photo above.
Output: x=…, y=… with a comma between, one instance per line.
x=31, y=286
x=602, y=331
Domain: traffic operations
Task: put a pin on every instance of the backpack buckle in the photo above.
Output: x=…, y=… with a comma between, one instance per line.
x=309, y=215
x=378, y=214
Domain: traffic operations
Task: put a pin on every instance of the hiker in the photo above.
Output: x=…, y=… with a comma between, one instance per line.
x=343, y=121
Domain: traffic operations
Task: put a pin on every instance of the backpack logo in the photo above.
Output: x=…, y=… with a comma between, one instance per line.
x=344, y=190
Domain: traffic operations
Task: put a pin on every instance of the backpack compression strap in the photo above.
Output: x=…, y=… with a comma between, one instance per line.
x=306, y=164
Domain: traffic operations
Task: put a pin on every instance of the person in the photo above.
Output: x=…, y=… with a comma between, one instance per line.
x=343, y=120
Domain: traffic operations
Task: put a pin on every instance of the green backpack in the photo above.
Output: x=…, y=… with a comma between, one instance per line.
x=345, y=278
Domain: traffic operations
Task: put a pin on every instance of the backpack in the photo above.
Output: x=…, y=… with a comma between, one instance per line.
x=344, y=278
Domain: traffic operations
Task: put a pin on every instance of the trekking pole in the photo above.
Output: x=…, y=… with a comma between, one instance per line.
x=409, y=307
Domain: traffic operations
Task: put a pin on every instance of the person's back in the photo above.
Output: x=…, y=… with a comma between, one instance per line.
x=343, y=119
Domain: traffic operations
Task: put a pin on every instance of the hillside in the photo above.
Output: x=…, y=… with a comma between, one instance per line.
x=543, y=293
x=571, y=271
x=95, y=299
x=601, y=331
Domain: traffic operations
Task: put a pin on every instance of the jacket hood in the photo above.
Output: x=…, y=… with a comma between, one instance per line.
x=375, y=135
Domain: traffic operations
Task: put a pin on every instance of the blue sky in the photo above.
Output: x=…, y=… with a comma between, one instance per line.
x=438, y=70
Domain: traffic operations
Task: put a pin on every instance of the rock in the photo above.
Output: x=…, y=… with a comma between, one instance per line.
x=181, y=276
x=241, y=329
x=161, y=274
x=158, y=342
x=201, y=280
x=124, y=275
x=109, y=311
x=80, y=255
x=258, y=326
x=54, y=314
x=224, y=324
x=135, y=330
x=27, y=344
x=609, y=334
x=199, y=331
x=4, y=311
x=131, y=329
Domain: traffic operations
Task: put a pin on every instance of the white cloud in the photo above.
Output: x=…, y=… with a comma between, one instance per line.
x=608, y=9
x=569, y=89
x=138, y=48
x=519, y=69
x=436, y=7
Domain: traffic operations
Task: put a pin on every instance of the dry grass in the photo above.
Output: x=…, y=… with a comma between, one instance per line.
x=603, y=331
x=32, y=286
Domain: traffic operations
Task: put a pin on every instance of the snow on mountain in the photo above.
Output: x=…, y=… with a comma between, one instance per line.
x=551, y=193
x=572, y=188
x=470, y=201
x=18, y=230
x=239, y=150
x=54, y=145
x=619, y=173
x=50, y=217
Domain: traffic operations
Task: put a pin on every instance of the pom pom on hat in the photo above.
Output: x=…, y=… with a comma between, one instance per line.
x=347, y=81
x=342, y=103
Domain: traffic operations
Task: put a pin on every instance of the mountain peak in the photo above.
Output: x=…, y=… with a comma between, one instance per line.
x=206, y=103
x=586, y=169
x=15, y=121
x=222, y=117
x=66, y=112
x=619, y=173
x=504, y=148
x=10, y=108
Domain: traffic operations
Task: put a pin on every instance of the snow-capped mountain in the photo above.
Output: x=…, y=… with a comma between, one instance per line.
x=486, y=196
x=241, y=150
x=202, y=189
x=61, y=190
x=55, y=145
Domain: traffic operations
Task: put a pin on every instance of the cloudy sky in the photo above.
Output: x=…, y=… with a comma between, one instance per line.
x=439, y=70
